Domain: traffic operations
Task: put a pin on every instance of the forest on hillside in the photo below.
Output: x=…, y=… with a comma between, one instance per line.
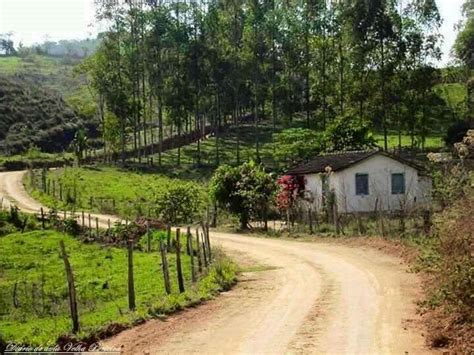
x=347, y=67
x=257, y=75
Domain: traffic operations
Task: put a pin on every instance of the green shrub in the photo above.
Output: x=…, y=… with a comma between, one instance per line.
x=71, y=226
x=246, y=190
x=180, y=203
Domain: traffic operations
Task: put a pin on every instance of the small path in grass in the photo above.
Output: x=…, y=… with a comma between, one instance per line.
x=320, y=298
x=12, y=192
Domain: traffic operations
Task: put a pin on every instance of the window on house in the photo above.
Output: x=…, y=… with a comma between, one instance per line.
x=362, y=184
x=398, y=183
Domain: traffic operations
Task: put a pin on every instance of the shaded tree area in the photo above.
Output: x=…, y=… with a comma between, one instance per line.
x=464, y=51
x=179, y=67
x=7, y=47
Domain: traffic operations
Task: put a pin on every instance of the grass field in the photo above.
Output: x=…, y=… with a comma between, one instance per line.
x=228, y=147
x=9, y=65
x=40, y=315
x=35, y=157
x=453, y=93
x=133, y=193
x=432, y=141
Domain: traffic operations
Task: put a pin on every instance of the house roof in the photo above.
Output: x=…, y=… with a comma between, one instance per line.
x=342, y=160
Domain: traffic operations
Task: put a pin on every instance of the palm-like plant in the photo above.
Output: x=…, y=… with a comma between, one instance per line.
x=79, y=145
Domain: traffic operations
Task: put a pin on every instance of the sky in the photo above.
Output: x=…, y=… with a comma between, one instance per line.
x=33, y=21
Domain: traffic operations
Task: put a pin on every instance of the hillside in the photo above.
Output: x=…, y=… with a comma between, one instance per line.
x=30, y=114
x=455, y=96
x=54, y=74
x=40, y=98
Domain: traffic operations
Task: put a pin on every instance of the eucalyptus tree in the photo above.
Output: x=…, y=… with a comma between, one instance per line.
x=183, y=64
x=112, y=68
x=159, y=42
x=464, y=51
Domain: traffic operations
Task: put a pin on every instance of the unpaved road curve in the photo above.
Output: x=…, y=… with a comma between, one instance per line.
x=316, y=298
x=13, y=193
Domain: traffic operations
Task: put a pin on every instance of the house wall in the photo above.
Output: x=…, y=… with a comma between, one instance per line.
x=379, y=168
x=314, y=192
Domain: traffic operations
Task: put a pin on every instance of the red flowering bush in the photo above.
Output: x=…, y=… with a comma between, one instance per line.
x=291, y=188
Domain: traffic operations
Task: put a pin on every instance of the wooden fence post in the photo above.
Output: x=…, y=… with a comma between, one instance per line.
x=72, y=289
x=288, y=225
x=168, y=237
x=335, y=217
x=83, y=220
x=42, y=218
x=97, y=227
x=164, y=265
x=90, y=225
x=60, y=191
x=178, y=262
x=199, y=256
x=190, y=248
x=208, y=242
x=426, y=222
x=131, y=283
x=402, y=221
x=204, y=253
x=148, y=235
x=360, y=225
x=43, y=179
x=214, y=216
x=310, y=217
x=188, y=236
x=75, y=195
x=23, y=226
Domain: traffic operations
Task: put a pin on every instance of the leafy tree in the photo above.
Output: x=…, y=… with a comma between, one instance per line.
x=464, y=45
x=245, y=190
x=111, y=134
x=464, y=50
x=7, y=47
x=181, y=66
x=296, y=144
x=180, y=203
x=348, y=133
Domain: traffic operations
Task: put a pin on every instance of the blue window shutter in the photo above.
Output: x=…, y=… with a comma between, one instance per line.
x=362, y=184
x=398, y=183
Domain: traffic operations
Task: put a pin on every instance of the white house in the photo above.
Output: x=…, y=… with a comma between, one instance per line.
x=364, y=181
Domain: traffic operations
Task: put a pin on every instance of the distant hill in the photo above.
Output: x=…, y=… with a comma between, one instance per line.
x=32, y=115
x=67, y=48
x=55, y=74
x=40, y=97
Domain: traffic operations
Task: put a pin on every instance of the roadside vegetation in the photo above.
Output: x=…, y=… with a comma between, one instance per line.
x=447, y=260
x=119, y=192
x=34, y=306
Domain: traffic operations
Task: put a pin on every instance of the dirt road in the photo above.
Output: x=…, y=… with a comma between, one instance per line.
x=311, y=298
x=12, y=192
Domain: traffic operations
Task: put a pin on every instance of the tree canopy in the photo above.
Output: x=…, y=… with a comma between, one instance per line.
x=245, y=190
x=185, y=66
